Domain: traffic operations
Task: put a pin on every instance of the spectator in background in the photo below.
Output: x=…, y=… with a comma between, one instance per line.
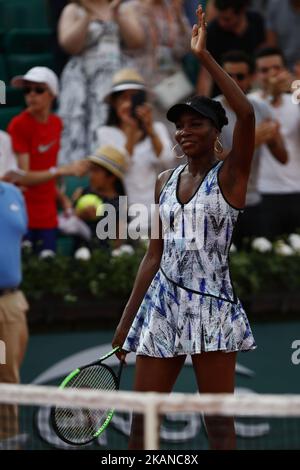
x=35, y=135
x=145, y=143
x=106, y=173
x=13, y=305
x=283, y=28
x=234, y=25
x=240, y=67
x=166, y=32
x=279, y=184
x=90, y=31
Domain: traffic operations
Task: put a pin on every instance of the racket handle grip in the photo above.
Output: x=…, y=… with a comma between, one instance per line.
x=120, y=370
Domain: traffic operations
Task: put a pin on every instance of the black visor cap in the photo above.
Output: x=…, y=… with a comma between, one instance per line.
x=198, y=104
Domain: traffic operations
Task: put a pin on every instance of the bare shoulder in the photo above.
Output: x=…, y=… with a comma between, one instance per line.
x=130, y=6
x=71, y=11
x=164, y=176
x=161, y=181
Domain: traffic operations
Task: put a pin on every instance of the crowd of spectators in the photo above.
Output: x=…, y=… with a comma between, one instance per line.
x=117, y=59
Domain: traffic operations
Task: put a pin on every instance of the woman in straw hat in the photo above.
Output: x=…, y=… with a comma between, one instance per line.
x=183, y=301
x=146, y=144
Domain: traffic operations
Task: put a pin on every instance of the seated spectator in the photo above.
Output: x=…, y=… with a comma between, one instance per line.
x=279, y=184
x=35, y=135
x=146, y=143
x=234, y=25
x=106, y=172
x=240, y=67
x=283, y=28
x=90, y=32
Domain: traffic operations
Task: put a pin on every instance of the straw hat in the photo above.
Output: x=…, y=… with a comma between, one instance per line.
x=111, y=159
x=126, y=79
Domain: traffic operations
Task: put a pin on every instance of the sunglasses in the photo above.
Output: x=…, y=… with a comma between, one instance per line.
x=238, y=76
x=267, y=69
x=39, y=90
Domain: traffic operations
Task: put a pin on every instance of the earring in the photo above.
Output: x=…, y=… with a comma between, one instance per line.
x=218, y=146
x=175, y=153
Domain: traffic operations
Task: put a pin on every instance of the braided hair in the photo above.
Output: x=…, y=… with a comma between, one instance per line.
x=221, y=113
x=218, y=110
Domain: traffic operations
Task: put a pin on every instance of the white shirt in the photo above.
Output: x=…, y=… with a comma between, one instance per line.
x=275, y=178
x=143, y=164
x=7, y=157
x=262, y=112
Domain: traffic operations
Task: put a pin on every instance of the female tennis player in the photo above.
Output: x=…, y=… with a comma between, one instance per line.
x=183, y=301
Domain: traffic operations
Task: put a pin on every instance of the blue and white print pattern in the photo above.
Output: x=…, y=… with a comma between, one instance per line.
x=190, y=305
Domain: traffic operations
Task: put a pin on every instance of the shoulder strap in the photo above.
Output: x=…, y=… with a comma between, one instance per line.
x=170, y=180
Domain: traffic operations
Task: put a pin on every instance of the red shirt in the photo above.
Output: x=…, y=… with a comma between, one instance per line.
x=41, y=141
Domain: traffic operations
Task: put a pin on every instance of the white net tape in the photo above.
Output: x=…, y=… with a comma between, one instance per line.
x=152, y=405
x=223, y=404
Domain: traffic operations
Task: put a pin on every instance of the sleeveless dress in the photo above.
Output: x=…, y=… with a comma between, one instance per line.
x=85, y=81
x=191, y=305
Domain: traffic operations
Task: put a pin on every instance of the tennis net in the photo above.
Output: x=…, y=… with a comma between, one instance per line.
x=169, y=422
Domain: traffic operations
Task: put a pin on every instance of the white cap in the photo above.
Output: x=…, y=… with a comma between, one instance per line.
x=38, y=75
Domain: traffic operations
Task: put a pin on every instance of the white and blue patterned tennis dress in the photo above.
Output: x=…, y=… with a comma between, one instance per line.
x=191, y=305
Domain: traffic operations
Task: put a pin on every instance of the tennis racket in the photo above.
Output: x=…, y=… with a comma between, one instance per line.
x=79, y=426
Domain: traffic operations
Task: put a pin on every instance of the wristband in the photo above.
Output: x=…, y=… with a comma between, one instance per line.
x=53, y=170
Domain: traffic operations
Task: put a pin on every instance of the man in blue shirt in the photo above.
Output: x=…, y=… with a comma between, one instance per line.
x=13, y=305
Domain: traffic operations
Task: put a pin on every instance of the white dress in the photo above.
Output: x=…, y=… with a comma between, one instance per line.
x=191, y=305
x=85, y=81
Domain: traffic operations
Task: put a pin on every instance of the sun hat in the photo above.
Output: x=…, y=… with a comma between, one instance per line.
x=110, y=158
x=126, y=79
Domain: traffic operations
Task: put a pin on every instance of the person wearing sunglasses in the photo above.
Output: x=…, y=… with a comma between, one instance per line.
x=232, y=25
x=240, y=68
x=279, y=184
x=36, y=134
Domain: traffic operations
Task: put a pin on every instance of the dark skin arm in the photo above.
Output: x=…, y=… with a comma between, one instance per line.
x=277, y=147
x=147, y=270
x=235, y=170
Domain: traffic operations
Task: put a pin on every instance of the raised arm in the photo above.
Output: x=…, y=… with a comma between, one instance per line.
x=236, y=168
x=131, y=31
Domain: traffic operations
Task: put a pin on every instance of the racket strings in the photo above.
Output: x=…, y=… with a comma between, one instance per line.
x=79, y=425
